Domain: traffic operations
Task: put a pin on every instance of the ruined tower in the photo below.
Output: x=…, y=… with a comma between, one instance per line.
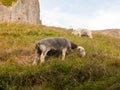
x=23, y=11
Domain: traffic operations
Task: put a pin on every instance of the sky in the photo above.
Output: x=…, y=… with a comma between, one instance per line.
x=87, y=14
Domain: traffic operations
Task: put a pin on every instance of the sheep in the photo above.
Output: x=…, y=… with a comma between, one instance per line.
x=50, y=45
x=82, y=32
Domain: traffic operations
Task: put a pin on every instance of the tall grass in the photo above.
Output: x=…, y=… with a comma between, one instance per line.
x=98, y=70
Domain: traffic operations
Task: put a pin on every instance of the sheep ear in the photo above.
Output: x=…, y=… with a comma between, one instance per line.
x=78, y=48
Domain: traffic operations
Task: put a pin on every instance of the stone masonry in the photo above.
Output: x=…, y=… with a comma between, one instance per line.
x=23, y=11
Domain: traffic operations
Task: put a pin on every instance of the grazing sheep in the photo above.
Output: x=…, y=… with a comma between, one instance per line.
x=50, y=45
x=83, y=32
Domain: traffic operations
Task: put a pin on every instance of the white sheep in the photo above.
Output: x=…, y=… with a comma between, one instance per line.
x=83, y=32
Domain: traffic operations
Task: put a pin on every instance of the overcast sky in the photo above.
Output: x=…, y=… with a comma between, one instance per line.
x=89, y=14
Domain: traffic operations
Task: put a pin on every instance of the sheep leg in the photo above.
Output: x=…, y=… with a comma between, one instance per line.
x=37, y=55
x=43, y=54
x=64, y=53
x=79, y=34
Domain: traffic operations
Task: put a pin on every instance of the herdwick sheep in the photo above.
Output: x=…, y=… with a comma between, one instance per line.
x=49, y=45
x=83, y=32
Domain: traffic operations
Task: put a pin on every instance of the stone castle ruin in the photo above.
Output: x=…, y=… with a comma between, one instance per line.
x=22, y=11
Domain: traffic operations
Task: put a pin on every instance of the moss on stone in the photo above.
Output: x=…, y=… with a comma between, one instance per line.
x=7, y=2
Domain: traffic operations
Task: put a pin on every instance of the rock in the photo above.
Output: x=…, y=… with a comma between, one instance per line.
x=23, y=11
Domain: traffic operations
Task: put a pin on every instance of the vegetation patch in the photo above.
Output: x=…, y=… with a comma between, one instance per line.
x=7, y=2
x=98, y=70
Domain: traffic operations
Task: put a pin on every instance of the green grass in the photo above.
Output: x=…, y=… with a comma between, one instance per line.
x=98, y=70
x=7, y=2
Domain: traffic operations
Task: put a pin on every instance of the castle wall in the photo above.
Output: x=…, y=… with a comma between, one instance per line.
x=23, y=11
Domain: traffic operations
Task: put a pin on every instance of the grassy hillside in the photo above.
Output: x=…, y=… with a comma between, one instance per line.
x=7, y=2
x=110, y=32
x=98, y=70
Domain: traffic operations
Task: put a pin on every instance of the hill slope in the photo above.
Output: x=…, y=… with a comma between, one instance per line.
x=98, y=70
x=110, y=32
